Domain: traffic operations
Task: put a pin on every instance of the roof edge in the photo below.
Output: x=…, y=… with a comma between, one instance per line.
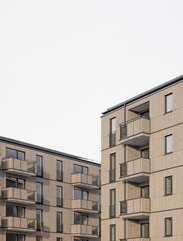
x=143, y=94
x=51, y=151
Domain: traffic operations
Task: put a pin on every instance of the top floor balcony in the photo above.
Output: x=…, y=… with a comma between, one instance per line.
x=135, y=132
x=19, y=167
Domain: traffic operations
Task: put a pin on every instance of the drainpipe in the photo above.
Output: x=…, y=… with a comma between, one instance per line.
x=125, y=236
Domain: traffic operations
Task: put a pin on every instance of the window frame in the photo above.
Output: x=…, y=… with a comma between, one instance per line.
x=82, y=168
x=40, y=173
x=59, y=225
x=16, y=152
x=112, y=229
x=59, y=170
x=166, y=185
x=41, y=219
x=166, y=103
x=59, y=199
x=112, y=206
x=166, y=144
x=112, y=171
x=166, y=228
x=41, y=193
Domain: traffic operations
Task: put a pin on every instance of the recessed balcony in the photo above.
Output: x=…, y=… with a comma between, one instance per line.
x=85, y=206
x=18, y=224
x=18, y=167
x=85, y=181
x=85, y=231
x=136, y=209
x=17, y=195
x=136, y=171
x=135, y=132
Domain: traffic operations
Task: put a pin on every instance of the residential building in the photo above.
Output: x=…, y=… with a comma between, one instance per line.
x=142, y=166
x=47, y=195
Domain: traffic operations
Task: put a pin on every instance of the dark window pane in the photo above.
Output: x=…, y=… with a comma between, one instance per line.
x=39, y=165
x=59, y=170
x=77, y=169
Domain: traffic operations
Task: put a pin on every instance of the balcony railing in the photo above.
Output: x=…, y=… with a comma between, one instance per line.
x=85, y=230
x=136, y=170
x=135, y=131
x=85, y=180
x=17, y=195
x=136, y=208
x=136, y=239
x=19, y=224
x=87, y=206
x=20, y=167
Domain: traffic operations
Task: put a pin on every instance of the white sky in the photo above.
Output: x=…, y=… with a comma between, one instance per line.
x=63, y=62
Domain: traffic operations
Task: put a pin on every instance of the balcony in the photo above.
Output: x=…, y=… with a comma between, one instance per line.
x=79, y=230
x=85, y=206
x=85, y=181
x=18, y=167
x=17, y=195
x=135, y=132
x=136, y=171
x=18, y=224
x=136, y=239
x=135, y=209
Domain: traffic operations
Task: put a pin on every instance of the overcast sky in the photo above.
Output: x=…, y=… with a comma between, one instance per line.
x=63, y=62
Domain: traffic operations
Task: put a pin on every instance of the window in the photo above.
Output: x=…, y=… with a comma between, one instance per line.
x=112, y=132
x=112, y=205
x=112, y=171
x=39, y=165
x=80, y=194
x=144, y=153
x=15, y=182
x=144, y=230
x=59, y=170
x=168, y=185
x=39, y=191
x=59, y=239
x=59, y=195
x=144, y=191
x=168, y=227
x=39, y=218
x=168, y=103
x=80, y=219
x=59, y=222
x=15, y=237
x=80, y=169
x=113, y=232
x=15, y=211
x=15, y=154
x=39, y=238
x=168, y=144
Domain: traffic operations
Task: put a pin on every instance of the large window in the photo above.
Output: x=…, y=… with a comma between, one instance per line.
x=168, y=103
x=80, y=169
x=112, y=205
x=113, y=232
x=144, y=153
x=59, y=170
x=80, y=194
x=15, y=237
x=15, y=182
x=59, y=221
x=59, y=195
x=112, y=171
x=145, y=230
x=15, y=154
x=112, y=132
x=168, y=227
x=144, y=191
x=15, y=211
x=168, y=144
x=39, y=165
x=168, y=185
x=39, y=219
x=80, y=219
x=39, y=191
